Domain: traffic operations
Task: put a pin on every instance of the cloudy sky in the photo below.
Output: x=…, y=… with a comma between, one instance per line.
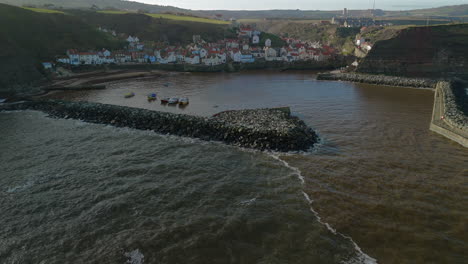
x=304, y=4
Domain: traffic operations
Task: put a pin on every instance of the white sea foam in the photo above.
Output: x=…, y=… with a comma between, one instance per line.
x=18, y=188
x=248, y=202
x=135, y=257
x=361, y=258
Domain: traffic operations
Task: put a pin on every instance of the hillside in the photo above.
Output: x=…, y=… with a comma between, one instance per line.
x=444, y=11
x=309, y=30
x=457, y=12
x=40, y=37
x=103, y=4
x=435, y=51
x=154, y=28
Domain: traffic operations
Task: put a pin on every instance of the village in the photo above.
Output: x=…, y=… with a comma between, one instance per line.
x=246, y=48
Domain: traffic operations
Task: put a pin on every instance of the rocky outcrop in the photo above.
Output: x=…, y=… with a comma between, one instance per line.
x=264, y=129
x=378, y=79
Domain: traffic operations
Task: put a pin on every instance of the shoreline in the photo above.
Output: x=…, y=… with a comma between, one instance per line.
x=271, y=129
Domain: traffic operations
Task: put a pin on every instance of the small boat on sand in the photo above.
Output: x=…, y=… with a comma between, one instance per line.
x=152, y=97
x=129, y=95
x=165, y=100
x=184, y=101
x=173, y=100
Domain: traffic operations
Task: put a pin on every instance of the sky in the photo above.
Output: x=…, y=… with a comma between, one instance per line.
x=303, y=4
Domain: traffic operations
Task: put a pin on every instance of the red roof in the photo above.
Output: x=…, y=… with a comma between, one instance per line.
x=87, y=53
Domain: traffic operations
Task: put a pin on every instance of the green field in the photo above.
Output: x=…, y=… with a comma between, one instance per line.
x=189, y=18
x=42, y=10
x=172, y=17
x=114, y=12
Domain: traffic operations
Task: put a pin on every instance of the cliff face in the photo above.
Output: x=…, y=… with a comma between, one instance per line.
x=435, y=51
x=28, y=38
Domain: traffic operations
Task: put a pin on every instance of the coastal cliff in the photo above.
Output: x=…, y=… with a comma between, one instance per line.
x=264, y=129
x=434, y=51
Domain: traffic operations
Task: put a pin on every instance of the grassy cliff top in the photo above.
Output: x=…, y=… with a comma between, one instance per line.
x=170, y=16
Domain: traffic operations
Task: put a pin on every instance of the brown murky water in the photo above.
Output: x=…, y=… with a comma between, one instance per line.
x=379, y=175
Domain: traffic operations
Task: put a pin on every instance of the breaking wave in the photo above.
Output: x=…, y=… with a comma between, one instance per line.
x=361, y=258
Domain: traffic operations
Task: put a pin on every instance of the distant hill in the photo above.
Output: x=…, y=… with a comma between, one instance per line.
x=103, y=4
x=446, y=11
x=28, y=38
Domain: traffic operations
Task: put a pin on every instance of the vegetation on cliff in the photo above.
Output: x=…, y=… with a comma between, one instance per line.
x=28, y=38
x=435, y=51
x=154, y=27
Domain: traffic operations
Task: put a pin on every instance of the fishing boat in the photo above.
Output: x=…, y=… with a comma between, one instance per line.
x=184, y=101
x=165, y=100
x=152, y=97
x=173, y=100
x=129, y=95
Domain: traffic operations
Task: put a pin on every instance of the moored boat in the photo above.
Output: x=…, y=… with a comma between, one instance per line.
x=129, y=95
x=173, y=100
x=152, y=97
x=184, y=101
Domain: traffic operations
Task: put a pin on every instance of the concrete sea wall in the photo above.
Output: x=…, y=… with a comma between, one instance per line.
x=263, y=129
x=379, y=79
x=448, y=119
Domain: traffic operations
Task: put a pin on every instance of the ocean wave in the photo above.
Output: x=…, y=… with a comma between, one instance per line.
x=361, y=258
x=135, y=257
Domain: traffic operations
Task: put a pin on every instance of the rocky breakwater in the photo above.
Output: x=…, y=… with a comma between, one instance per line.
x=455, y=107
x=264, y=129
x=378, y=79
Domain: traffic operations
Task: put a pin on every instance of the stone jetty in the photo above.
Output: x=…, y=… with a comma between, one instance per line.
x=449, y=117
x=264, y=129
x=379, y=79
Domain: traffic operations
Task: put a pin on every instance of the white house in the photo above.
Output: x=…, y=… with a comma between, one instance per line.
x=245, y=31
x=233, y=44
x=74, y=56
x=212, y=60
x=247, y=58
x=89, y=58
x=255, y=39
x=106, y=53
x=47, y=65
x=237, y=56
x=268, y=43
x=270, y=52
x=203, y=53
x=193, y=59
x=64, y=60
x=258, y=53
x=122, y=57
